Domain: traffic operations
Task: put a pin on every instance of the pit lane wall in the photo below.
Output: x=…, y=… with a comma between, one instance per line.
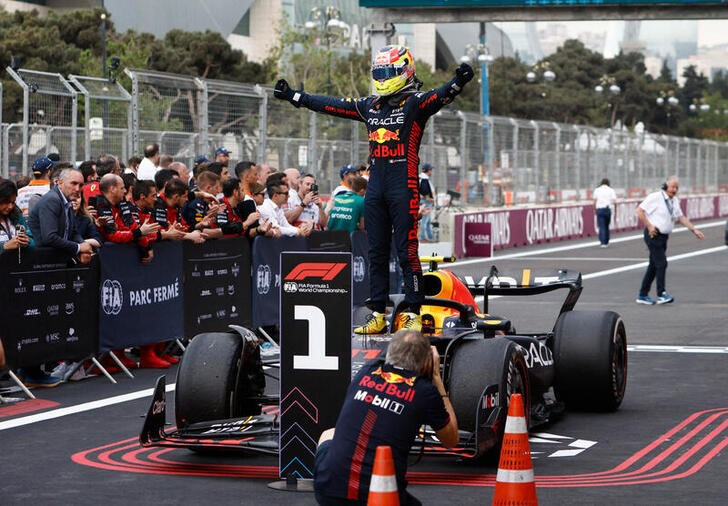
x=513, y=227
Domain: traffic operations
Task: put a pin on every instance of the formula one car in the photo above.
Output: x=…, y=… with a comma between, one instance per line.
x=581, y=363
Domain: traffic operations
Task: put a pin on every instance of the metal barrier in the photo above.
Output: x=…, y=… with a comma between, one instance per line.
x=107, y=117
x=48, y=101
x=488, y=161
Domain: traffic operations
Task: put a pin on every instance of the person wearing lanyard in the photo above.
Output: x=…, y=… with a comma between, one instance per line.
x=14, y=233
x=657, y=213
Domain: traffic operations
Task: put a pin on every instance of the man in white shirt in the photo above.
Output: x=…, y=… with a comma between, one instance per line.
x=148, y=166
x=39, y=186
x=658, y=212
x=310, y=208
x=604, y=199
x=271, y=211
x=293, y=177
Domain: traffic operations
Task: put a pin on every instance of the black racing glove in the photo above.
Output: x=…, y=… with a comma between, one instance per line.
x=283, y=91
x=464, y=73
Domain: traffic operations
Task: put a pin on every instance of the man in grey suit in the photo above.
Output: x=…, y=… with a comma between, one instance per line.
x=51, y=219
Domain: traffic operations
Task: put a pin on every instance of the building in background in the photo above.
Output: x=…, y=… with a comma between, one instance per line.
x=252, y=26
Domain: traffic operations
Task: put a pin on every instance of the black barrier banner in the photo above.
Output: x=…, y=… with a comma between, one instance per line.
x=140, y=304
x=49, y=309
x=217, y=285
x=315, y=330
x=329, y=240
x=360, y=266
x=266, y=277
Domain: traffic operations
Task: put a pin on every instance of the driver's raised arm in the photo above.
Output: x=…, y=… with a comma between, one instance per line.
x=347, y=108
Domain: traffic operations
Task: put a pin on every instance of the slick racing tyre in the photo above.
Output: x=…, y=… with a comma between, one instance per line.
x=590, y=360
x=215, y=376
x=480, y=363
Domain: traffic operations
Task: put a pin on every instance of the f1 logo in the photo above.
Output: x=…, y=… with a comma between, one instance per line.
x=326, y=271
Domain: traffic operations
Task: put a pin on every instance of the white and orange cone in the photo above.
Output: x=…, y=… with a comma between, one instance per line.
x=383, y=487
x=514, y=484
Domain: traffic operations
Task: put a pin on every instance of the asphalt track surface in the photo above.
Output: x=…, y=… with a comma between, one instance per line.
x=666, y=445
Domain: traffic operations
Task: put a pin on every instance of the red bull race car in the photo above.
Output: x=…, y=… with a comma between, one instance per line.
x=580, y=363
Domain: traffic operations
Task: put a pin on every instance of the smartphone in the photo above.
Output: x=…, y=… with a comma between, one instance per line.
x=314, y=188
x=92, y=201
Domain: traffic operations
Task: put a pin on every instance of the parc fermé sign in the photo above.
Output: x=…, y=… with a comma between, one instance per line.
x=315, y=367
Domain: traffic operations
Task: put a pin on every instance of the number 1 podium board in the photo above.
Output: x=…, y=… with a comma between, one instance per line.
x=315, y=335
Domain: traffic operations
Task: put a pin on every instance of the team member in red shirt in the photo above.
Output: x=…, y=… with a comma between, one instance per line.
x=166, y=210
x=120, y=225
x=228, y=220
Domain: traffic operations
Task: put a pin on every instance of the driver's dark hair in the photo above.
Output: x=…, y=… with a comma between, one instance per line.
x=229, y=186
x=408, y=349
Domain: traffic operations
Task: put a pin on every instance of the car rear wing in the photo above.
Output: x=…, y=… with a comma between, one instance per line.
x=526, y=282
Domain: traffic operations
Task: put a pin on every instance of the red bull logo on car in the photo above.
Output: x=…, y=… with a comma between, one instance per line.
x=382, y=135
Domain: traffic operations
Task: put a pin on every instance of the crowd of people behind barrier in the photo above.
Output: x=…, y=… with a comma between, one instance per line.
x=76, y=209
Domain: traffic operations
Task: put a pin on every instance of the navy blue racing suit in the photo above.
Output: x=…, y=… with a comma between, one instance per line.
x=395, y=125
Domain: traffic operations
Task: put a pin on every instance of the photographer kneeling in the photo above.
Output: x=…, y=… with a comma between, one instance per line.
x=385, y=404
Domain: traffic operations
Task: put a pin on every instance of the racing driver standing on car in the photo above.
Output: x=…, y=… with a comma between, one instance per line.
x=395, y=118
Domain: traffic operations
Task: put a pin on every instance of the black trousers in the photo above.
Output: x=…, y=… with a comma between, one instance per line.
x=658, y=263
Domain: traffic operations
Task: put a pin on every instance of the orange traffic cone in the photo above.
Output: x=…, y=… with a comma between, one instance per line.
x=514, y=484
x=383, y=487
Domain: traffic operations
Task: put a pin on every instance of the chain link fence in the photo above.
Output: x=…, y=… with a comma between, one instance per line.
x=50, y=109
x=107, y=117
x=479, y=161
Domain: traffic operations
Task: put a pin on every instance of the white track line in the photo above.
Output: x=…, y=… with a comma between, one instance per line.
x=657, y=348
x=642, y=265
x=110, y=401
x=571, y=247
x=79, y=408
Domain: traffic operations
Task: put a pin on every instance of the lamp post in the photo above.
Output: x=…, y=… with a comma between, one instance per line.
x=328, y=20
x=481, y=54
x=608, y=87
x=541, y=73
x=668, y=102
x=103, y=73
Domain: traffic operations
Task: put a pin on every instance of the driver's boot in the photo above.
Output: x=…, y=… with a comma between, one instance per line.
x=376, y=324
x=409, y=321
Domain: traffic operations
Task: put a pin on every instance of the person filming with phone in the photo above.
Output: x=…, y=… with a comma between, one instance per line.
x=310, y=207
x=386, y=404
x=14, y=232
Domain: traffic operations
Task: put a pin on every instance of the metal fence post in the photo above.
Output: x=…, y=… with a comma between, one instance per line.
x=540, y=190
x=134, y=131
x=515, y=162
x=557, y=157
x=464, y=158
x=203, y=143
x=577, y=155
x=353, y=151
x=74, y=121
x=263, y=124
x=312, y=143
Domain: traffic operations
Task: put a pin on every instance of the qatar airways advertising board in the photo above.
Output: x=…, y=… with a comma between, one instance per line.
x=514, y=227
